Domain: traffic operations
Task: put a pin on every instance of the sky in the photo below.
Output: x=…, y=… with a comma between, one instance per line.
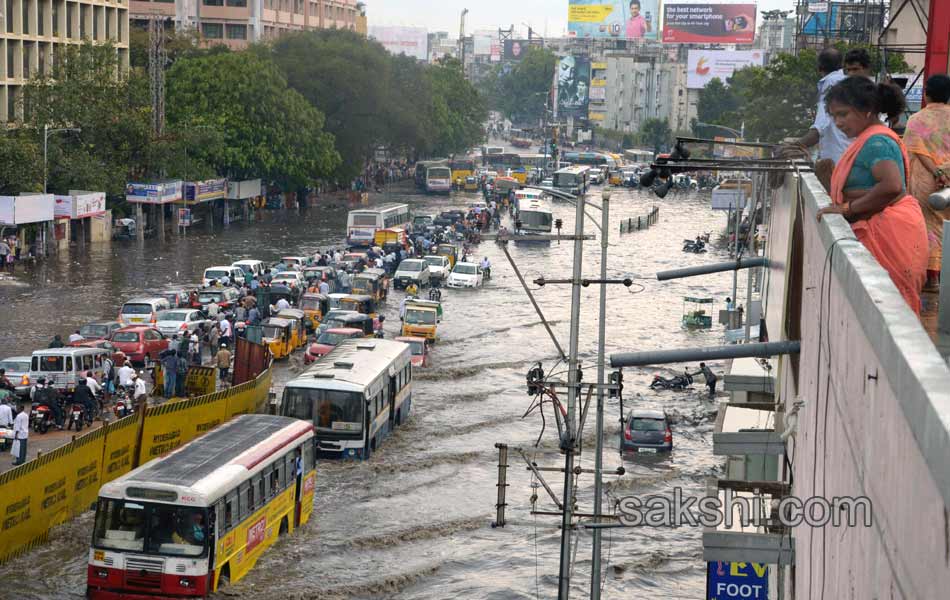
x=443, y=15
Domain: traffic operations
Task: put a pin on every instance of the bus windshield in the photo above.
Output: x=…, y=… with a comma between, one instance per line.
x=439, y=173
x=333, y=411
x=163, y=529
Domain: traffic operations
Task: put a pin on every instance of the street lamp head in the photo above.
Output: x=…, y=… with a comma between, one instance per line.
x=605, y=193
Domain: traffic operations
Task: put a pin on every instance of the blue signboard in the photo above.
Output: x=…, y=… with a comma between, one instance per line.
x=737, y=581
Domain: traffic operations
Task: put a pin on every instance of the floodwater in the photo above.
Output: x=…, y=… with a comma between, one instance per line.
x=414, y=522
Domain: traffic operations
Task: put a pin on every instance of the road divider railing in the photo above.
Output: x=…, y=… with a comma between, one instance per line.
x=60, y=485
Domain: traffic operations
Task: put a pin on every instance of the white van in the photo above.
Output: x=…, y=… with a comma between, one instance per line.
x=248, y=265
x=63, y=367
x=142, y=311
x=235, y=274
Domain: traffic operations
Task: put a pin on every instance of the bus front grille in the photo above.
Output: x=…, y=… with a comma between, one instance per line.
x=143, y=573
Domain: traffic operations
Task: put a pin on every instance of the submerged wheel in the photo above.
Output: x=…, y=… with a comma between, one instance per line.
x=283, y=527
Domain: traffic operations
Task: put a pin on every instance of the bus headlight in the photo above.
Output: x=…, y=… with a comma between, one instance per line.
x=185, y=582
x=102, y=574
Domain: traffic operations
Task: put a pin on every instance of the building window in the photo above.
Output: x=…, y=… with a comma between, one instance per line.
x=83, y=11
x=96, y=11
x=109, y=14
x=9, y=12
x=55, y=18
x=41, y=18
x=212, y=31
x=213, y=2
x=237, y=3
x=237, y=32
x=26, y=16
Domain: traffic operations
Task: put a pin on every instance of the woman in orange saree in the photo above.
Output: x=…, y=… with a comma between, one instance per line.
x=927, y=139
x=868, y=184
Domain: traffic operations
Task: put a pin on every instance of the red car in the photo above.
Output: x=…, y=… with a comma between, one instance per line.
x=141, y=343
x=420, y=350
x=328, y=340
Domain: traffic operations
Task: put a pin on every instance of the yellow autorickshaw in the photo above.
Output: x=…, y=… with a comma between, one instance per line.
x=449, y=251
x=367, y=284
x=365, y=305
x=298, y=328
x=277, y=334
x=314, y=306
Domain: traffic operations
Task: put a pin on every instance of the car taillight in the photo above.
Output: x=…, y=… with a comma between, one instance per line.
x=184, y=326
x=626, y=434
x=667, y=436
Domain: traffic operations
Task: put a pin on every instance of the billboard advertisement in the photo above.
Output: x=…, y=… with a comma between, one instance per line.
x=79, y=205
x=203, y=191
x=573, y=86
x=411, y=41
x=30, y=208
x=698, y=21
x=515, y=49
x=704, y=65
x=598, y=93
x=618, y=19
x=482, y=43
x=153, y=193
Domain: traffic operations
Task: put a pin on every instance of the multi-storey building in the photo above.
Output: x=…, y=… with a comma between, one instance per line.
x=34, y=29
x=236, y=23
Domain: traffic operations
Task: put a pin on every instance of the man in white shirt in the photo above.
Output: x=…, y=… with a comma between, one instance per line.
x=831, y=141
x=6, y=415
x=126, y=374
x=75, y=337
x=213, y=309
x=224, y=327
x=94, y=385
x=324, y=288
x=281, y=305
x=21, y=433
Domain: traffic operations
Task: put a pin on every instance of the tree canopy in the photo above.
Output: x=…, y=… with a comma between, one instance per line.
x=520, y=92
x=269, y=130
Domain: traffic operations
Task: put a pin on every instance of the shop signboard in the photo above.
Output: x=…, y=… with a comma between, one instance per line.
x=204, y=191
x=184, y=217
x=699, y=22
x=615, y=19
x=162, y=192
x=79, y=205
x=30, y=208
x=737, y=581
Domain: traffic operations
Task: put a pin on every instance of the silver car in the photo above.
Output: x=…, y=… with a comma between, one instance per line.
x=180, y=320
x=18, y=372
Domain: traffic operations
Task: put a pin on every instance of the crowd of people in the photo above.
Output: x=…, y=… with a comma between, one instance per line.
x=377, y=174
x=877, y=180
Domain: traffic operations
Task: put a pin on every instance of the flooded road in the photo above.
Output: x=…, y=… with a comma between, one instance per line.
x=414, y=521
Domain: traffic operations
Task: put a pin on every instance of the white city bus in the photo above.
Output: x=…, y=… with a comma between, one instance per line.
x=571, y=179
x=362, y=224
x=438, y=179
x=532, y=211
x=184, y=524
x=355, y=395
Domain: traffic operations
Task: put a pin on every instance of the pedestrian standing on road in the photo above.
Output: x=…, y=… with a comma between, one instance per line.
x=226, y=331
x=255, y=283
x=170, y=371
x=6, y=415
x=140, y=392
x=711, y=378
x=324, y=287
x=4, y=251
x=182, y=374
x=21, y=433
x=213, y=336
x=213, y=309
x=194, y=349
x=223, y=361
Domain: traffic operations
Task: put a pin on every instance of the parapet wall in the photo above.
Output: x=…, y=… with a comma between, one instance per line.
x=874, y=419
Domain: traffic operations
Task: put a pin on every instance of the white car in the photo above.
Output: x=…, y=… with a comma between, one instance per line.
x=412, y=270
x=465, y=275
x=255, y=267
x=212, y=274
x=289, y=277
x=438, y=266
x=170, y=322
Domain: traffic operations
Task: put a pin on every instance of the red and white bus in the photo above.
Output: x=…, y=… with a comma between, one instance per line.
x=184, y=524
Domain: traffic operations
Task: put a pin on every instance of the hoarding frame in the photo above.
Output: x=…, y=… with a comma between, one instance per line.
x=709, y=21
x=717, y=63
x=610, y=19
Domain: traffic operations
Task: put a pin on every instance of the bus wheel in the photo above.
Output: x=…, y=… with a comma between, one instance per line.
x=283, y=527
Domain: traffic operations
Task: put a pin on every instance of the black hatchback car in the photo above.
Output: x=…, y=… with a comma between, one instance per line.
x=647, y=430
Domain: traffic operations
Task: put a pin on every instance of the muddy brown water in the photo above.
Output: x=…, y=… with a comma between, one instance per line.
x=414, y=521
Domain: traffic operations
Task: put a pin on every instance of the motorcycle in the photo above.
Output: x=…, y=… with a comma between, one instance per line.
x=41, y=417
x=435, y=294
x=123, y=403
x=678, y=382
x=694, y=246
x=486, y=273
x=77, y=417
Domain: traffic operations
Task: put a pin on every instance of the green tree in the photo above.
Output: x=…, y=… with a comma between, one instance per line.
x=269, y=130
x=458, y=110
x=656, y=134
x=346, y=77
x=21, y=166
x=180, y=43
x=521, y=92
x=716, y=100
